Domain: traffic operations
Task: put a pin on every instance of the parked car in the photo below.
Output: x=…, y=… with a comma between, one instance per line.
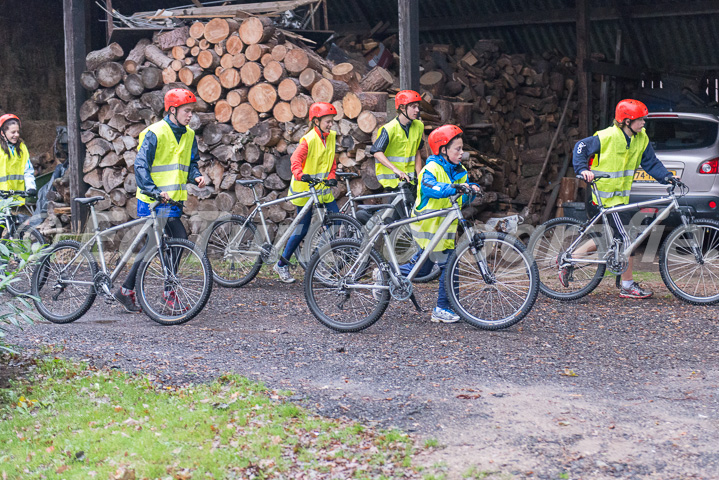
x=688, y=145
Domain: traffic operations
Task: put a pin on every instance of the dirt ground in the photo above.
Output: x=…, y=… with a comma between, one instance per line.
x=593, y=389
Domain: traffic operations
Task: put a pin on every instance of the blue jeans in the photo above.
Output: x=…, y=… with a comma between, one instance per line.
x=441, y=257
x=301, y=230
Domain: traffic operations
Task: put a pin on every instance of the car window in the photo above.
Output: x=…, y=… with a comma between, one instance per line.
x=680, y=134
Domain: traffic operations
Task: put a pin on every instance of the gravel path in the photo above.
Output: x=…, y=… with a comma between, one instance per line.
x=598, y=388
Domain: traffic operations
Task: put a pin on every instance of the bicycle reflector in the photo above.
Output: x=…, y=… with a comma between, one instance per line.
x=709, y=167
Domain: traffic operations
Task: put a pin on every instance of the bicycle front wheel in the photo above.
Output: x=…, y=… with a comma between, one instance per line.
x=344, y=302
x=509, y=292
x=31, y=240
x=56, y=294
x=552, y=239
x=233, y=251
x=689, y=262
x=175, y=288
x=337, y=226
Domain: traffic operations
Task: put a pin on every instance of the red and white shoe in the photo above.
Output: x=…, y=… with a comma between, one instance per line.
x=635, y=291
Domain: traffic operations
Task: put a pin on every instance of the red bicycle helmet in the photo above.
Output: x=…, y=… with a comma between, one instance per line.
x=321, y=109
x=631, y=109
x=177, y=97
x=442, y=136
x=6, y=117
x=405, y=97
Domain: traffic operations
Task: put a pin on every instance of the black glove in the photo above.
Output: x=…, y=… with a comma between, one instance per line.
x=306, y=177
x=331, y=182
x=31, y=192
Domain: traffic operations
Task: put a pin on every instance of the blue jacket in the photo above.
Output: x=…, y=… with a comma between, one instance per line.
x=585, y=148
x=431, y=188
x=143, y=165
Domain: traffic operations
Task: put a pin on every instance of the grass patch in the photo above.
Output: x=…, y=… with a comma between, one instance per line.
x=71, y=421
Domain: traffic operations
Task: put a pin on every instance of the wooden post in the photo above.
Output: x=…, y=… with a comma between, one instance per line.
x=409, y=44
x=585, y=76
x=75, y=51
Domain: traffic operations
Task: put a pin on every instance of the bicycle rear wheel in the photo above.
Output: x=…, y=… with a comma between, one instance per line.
x=342, y=302
x=55, y=298
x=177, y=293
x=547, y=243
x=337, y=226
x=694, y=282
x=507, y=297
x=31, y=240
x=234, y=262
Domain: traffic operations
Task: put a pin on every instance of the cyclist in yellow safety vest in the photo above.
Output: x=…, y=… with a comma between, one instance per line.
x=166, y=161
x=16, y=171
x=436, y=180
x=396, y=149
x=617, y=151
x=313, y=159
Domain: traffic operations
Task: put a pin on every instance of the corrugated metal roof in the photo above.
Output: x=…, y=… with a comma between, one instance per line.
x=680, y=42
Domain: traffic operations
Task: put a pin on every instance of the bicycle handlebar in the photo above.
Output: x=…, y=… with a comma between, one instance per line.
x=13, y=193
x=161, y=200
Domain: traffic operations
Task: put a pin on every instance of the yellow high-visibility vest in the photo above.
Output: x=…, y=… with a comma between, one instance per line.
x=12, y=170
x=171, y=166
x=619, y=162
x=401, y=151
x=320, y=157
x=425, y=230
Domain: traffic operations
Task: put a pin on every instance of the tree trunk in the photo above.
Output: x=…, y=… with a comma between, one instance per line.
x=109, y=74
x=216, y=30
x=251, y=73
x=309, y=77
x=262, y=97
x=297, y=59
x=433, y=82
x=288, y=89
x=179, y=52
x=223, y=111
x=108, y=54
x=367, y=121
x=351, y=105
x=229, y=78
x=329, y=90
x=190, y=75
x=278, y=52
x=136, y=57
x=256, y=30
x=345, y=72
x=169, y=76
x=274, y=72
x=156, y=56
x=238, y=60
x=151, y=77
x=282, y=111
x=244, y=117
x=376, y=80
x=197, y=30
x=373, y=101
x=255, y=51
x=234, y=44
x=209, y=88
x=300, y=105
x=237, y=96
x=208, y=60
x=226, y=60
x=133, y=84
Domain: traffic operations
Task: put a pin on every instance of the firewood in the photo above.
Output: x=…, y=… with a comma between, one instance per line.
x=463, y=113
x=190, y=42
x=244, y=117
x=180, y=52
x=228, y=181
x=197, y=30
x=268, y=162
x=267, y=134
x=345, y=72
x=368, y=175
x=238, y=60
x=89, y=81
x=274, y=72
x=252, y=153
x=229, y=78
x=376, y=80
x=89, y=110
x=91, y=162
x=109, y=74
x=245, y=196
x=102, y=205
x=340, y=110
x=223, y=111
x=98, y=146
x=368, y=121
x=262, y=97
x=266, y=58
x=195, y=51
x=94, y=178
x=204, y=44
x=251, y=73
x=225, y=201
x=151, y=77
x=259, y=172
x=118, y=197
x=329, y=90
x=108, y=133
x=218, y=71
x=373, y=101
x=282, y=111
x=346, y=161
x=190, y=75
x=288, y=89
x=351, y=105
x=177, y=36
x=113, y=178
x=278, y=52
x=157, y=56
x=208, y=60
x=283, y=167
x=110, y=160
x=226, y=60
x=133, y=84
x=155, y=100
x=213, y=132
x=300, y=105
x=219, y=48
x=255, y=51
x=209, y=88
x=234, y=44
x=169, y=76
x=237, y=96
x=129, y=158
x=297, y=59
x=215, y=171
x=136, y=57
x=433, y=82
x=112, y=52
x=309, y=77
x=256, y=30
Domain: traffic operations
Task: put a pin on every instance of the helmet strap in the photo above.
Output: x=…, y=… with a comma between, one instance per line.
x=629, y=126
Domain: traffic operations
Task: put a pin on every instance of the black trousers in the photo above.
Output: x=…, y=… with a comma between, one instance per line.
x=173, y=229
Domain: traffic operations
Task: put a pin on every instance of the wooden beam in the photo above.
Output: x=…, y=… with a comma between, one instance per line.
x=584, y=72
x=75, y=52
x=408, y=44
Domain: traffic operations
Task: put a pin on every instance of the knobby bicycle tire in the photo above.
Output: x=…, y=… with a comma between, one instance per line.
x=338, y=226
x=23, y=280
x=229, y=269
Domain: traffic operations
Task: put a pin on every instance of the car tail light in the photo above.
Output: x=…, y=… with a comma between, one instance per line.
x=712, y=204
x=709, y=167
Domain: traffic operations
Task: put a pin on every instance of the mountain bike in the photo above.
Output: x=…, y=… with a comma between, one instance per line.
x=173, y=283
x=491, y=280
x=400, y=206
x=14, y=231
x=237, y=248
x=688, y=257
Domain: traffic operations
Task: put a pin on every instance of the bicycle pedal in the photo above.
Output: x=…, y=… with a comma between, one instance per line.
x=416, y=304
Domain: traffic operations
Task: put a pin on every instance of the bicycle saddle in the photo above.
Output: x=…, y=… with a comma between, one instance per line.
x=89, y=201
x=346, y=174
x=249, y=183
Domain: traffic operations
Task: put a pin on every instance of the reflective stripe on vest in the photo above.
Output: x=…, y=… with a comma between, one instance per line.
x=171, y=165
x=401, y=151
x=12, y=170
x=319, y=161
x=425, y=230
x=619, y=162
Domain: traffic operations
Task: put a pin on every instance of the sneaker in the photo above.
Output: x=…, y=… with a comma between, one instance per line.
x=635, y=291
x=284, y=273
x=377, y=279
x=440, y=315
x=173, y=302
x=564, y=273
x=127, y=301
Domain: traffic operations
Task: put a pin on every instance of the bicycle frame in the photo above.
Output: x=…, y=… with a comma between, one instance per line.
x=352, y=200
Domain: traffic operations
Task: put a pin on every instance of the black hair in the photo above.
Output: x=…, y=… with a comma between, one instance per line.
x=4, y=143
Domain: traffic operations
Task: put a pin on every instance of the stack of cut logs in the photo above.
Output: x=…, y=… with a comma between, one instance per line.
x=255, y=84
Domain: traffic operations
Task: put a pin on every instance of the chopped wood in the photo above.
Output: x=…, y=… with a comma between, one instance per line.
x=255, y=51
x=274, y=72
x=151, y=77
x=209, y=88
x=109, y=74
x=297, y=59
x=238, y=60
x=223, y=111
x=190, y=75
x=237, y=96
x=256, y=30
x=283, y=112
x=278, y=52
x=329, y=90
x=234, y=44
x=136, y=57
x=108, y=54
x=376, y=80
x=262, y=97
x=89, y=81
x=244, y=117
x=208, y=60
x=157, y=56
x=173, y=38
x=251, y=73
x=216, y=30
x=288, y=89
x=300, y=105
x=197, y=30
x=229, y=78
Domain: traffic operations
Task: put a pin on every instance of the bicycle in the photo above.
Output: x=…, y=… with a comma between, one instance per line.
x=174, y=281
x=13, y=230
x=401, y=203
x=688, y=257
x=237, y=249
x=492, y=282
